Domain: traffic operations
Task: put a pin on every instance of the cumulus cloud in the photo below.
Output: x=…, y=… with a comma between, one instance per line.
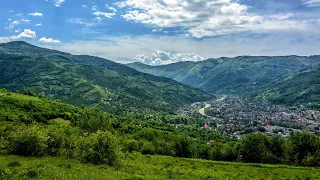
x=203, y=18
x=312, y=3
x=27, y=33
x=281, y=43
x=4, y=39
x=36, y=14
x=39, y=24
x=49, y=40
x=162, y=57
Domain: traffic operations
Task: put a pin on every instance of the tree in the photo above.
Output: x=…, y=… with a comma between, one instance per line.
x=254, y=148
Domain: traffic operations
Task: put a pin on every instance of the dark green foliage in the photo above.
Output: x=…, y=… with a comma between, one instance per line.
x=93, y=120
x=31, y=174
x=98, y=148
x=14, y=164
x=31, y=141
x=302, y=146
x=254, y=148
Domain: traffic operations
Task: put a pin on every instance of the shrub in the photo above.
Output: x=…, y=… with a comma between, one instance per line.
x=27, y=141
x=98, y=148
x=14, y=164
x=131, y=145
x=92, y=120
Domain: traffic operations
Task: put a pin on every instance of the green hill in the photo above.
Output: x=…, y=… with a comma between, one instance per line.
x=42, y=138
x=88, y=80
x=241, y=75
x=297, y=88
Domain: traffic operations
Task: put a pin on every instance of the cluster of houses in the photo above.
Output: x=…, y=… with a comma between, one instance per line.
x=236, y=116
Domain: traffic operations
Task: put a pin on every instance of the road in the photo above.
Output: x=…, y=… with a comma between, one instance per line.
x=202, y=110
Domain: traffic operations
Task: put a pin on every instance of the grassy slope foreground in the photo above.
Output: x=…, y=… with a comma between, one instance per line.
x=146, y=167
x=89, y=80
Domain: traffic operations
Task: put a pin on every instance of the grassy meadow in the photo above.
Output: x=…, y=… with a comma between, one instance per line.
x=136, y=166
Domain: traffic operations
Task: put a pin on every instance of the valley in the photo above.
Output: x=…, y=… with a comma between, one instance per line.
x=62, y=111
x=234, y=116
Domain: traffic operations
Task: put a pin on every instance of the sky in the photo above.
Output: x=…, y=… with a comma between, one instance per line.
x=160, y=32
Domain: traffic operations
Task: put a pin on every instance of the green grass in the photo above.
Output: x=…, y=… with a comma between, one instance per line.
x=134, y=166
x=60, y=121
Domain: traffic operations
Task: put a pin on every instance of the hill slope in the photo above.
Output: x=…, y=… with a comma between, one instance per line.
x=149, y=167
x=89, y=80
x=300, y=87
x=241, y=75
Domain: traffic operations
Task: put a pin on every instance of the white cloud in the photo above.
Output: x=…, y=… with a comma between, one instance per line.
x=113, y=9
x=84, y=6
x=4, y=39
x=49, y=40
x=162, y=57
x=17, y=31
x=27, y=33
x=105, y=14
x=81, y=21
x=312, y=3
x=27, y=21
x=58, y=3
x=36, y=14
x=94, y=8
x=39, y=24
x=12, y=24
x=280, y=43
x=98, y=19
x=202, y=18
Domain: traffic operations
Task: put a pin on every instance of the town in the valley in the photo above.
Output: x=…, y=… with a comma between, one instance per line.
x=235, y=116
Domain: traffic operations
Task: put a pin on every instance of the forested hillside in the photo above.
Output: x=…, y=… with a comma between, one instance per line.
x=241, y=75
x=302, y=87
x=89, y=80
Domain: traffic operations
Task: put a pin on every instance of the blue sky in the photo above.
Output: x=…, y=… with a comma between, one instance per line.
x=165, y=31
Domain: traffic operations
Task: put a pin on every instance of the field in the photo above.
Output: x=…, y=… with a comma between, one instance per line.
x=135, y=166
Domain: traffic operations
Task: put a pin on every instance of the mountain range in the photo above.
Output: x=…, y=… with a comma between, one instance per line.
x=257, y=77
x=88, y=80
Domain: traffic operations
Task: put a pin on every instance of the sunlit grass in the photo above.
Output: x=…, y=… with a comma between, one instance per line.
x=134, y=166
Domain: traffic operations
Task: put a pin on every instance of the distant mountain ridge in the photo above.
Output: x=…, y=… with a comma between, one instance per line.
x=242, y=75
x=93, y=81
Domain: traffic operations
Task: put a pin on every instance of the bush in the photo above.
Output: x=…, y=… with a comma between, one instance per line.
x=93, y=120
x=98, y=148
x=14, y=164
x=27, y=141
